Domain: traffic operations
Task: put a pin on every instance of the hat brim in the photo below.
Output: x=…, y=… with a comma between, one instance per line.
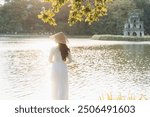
x=59, y=38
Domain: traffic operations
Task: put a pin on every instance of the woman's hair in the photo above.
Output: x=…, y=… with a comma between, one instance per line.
x=64, y=50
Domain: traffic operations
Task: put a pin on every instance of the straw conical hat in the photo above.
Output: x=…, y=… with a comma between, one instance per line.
x=59, y=38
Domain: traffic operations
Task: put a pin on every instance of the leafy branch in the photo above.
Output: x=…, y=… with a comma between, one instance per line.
x=80, y=10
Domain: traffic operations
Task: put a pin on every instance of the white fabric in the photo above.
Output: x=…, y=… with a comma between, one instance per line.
x=59, y=75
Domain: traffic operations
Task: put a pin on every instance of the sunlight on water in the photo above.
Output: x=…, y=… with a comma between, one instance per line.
x=26, y=45
x=98, y=67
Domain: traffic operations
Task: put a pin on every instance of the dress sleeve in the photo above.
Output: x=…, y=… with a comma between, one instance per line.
x=51, y=55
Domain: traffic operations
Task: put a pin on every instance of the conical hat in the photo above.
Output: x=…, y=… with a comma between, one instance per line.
x=59, y=38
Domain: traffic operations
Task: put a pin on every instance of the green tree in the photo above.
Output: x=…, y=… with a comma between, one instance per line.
x=145, y=6
x=21, y=16
x=113, y=22
x=147, y=18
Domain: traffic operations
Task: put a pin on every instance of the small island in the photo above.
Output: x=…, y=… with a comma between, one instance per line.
x=133, y=30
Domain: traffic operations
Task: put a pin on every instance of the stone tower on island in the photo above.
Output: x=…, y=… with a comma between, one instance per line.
x=133, y=26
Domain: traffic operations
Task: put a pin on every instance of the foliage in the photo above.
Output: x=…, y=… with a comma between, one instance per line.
x=117, y=14
x=146, y=18
x=80, y=10
x=20, y=16
x=121, y=97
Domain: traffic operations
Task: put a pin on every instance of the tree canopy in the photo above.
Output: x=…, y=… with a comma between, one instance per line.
x=20, y=16
x=80, y=10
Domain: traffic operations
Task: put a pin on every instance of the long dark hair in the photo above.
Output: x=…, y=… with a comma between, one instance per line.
x=64, y=50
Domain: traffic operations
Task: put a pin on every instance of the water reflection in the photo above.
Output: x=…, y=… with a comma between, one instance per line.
x=19, y=72
x=113, y=68
x=96, y=69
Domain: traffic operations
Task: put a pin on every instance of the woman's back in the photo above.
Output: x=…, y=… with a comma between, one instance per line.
x=55, y=55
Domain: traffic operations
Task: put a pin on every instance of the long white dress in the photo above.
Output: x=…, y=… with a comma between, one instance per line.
x=59, y=75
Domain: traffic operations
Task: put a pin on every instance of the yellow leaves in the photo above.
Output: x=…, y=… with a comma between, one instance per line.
x=47, y=16
x=80, y=10
x=120, y=97
x=75, y=16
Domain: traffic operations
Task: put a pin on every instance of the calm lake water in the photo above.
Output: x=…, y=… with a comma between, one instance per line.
x=99, y=67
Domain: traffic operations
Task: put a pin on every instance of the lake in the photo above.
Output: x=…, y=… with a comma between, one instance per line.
x=99, y=67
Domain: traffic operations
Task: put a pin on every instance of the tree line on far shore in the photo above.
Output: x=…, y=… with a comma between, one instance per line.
x=20, y=17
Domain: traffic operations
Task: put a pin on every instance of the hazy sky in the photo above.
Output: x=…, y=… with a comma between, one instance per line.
x=1, y=1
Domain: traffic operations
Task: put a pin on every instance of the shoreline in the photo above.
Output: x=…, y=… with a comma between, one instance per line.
x=44, y=36
x=25, y=37
x=120, y=38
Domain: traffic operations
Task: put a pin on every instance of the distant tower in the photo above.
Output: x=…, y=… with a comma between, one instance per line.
x=133, y=26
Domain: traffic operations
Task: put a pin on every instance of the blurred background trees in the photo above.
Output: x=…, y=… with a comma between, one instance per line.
x=20, y=17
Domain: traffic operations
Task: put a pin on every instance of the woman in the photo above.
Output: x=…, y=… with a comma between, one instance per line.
x=59, y=56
